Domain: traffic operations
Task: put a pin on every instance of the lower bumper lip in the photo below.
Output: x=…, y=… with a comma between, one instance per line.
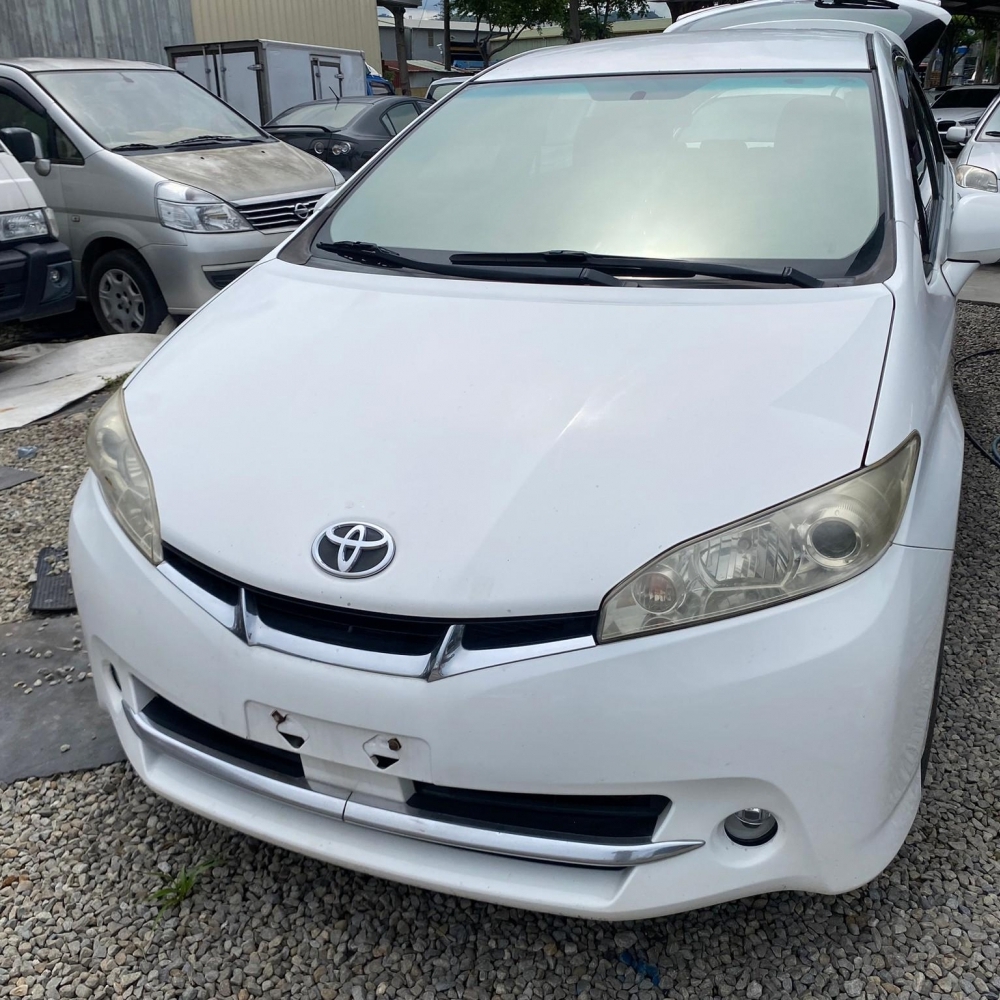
x=395, y=818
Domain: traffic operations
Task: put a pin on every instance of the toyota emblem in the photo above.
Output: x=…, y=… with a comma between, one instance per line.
x=302, y=210
x=353, y=549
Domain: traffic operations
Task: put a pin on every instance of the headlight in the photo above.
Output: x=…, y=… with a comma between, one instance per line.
x=340, y=148
x=125, y=480
x=23, y=225
x=970, y=121
x=808, y=544
x=977, y=178
x=192, y=210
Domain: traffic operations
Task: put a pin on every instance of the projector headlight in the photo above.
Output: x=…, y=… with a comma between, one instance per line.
x=805, y=545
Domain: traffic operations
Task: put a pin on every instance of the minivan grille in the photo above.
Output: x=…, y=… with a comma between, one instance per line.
x=376, y=632
x=284, y=214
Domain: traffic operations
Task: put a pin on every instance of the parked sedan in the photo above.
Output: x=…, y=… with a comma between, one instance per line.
x=348, y=132
x=961, y=106
x=591, y=554
x=978, y=165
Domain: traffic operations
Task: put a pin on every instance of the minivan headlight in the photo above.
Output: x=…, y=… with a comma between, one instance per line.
x=23, y=225
x=192, y=210
x=976, y=178
x=798, y=548
x=125, y=481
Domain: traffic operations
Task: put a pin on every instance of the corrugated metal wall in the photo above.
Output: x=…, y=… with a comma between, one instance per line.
x=116, y=29
x=347, y=24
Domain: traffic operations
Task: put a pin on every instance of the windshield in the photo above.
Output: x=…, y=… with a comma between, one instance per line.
x=121, y=107
x=329, y=115
x=440, y=89
x=974, y=97
x=751, y=168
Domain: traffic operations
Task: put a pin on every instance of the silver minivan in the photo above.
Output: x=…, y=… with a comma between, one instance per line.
x=163, y=193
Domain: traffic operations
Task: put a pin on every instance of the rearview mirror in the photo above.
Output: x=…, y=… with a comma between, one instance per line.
x=975, y=228
x=23, y=144
x=958, y=134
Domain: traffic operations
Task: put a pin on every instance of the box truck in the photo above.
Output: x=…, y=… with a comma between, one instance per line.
x=260, y=78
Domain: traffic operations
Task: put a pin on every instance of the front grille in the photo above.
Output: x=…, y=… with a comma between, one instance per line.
x=626, y=817
x=268, y=215
x=376, y=632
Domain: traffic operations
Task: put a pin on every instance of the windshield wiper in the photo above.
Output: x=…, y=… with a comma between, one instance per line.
x=571, y=272
x=196, y=139
x=127, y=147
x=638, y=267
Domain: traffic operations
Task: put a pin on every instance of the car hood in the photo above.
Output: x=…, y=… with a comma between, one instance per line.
x=238, y=173
x=527, y=446
x=981, y=154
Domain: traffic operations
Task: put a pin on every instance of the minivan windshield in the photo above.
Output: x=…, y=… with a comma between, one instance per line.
x=760, y=169
x=155, y=107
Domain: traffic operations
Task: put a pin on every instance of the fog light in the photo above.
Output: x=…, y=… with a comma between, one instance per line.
x=751, y=827
x=58, y=282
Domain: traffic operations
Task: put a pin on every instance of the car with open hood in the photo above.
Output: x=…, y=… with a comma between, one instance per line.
x=162, y=192
x=577, y=548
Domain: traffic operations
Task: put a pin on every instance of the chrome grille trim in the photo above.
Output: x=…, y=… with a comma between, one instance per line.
x=278, y=213
x=449, y=659
x=395, y=818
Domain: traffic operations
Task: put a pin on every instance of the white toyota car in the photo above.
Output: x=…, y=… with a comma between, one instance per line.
x=571, y=545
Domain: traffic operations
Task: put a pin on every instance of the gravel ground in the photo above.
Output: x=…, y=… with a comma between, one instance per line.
x=78, y=860
x=36, y=514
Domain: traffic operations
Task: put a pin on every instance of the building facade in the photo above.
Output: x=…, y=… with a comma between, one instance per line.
x=141, y=29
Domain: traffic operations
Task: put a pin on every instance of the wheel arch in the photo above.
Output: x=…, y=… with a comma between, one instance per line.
x=96, y=249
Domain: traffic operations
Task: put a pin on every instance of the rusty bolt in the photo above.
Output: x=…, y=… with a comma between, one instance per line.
x=394, y=744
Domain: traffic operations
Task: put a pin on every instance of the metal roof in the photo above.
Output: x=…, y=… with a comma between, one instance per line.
x=39, y=65
x=709, y=51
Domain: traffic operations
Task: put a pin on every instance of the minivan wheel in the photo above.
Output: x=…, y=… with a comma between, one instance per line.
x=124, y=294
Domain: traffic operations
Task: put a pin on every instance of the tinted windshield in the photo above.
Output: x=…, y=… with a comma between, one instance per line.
x=974, y=97
x=118, y=107
x=329, y=115
x=739, y=167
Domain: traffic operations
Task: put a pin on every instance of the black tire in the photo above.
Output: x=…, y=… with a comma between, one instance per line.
x=124, y=294
x=925, y=758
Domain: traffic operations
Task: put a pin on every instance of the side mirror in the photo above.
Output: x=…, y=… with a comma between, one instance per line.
x=974, y=236
x=23, y=144
x=958, y=134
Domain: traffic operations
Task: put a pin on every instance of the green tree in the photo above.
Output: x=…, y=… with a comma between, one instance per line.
x=506, y=19
x=597, y=16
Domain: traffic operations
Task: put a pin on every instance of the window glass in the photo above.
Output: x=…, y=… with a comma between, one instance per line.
x=967, y=97
x=14, y=114
x=399, y=116
x=925, y=158
x=118, y=107
x=330, y=115
x=65, y=150
x=783, y=168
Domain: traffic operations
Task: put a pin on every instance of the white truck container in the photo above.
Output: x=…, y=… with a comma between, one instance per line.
x=261, y=78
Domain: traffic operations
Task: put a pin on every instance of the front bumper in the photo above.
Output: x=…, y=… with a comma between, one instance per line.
x=815, y=710
x=27, y=290
x=190, y=274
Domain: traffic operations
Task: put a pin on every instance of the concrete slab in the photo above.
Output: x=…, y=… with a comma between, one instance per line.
x=61, y=711
x=983, y=286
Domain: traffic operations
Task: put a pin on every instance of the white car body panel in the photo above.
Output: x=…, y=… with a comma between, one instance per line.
x=527, y=410
x=527, y=462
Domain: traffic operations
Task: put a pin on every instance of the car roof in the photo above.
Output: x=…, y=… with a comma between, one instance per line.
x=732, y=50
x=35, y=65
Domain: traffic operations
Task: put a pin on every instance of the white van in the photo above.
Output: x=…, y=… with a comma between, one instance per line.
x=36, y=271
x=163, y=193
